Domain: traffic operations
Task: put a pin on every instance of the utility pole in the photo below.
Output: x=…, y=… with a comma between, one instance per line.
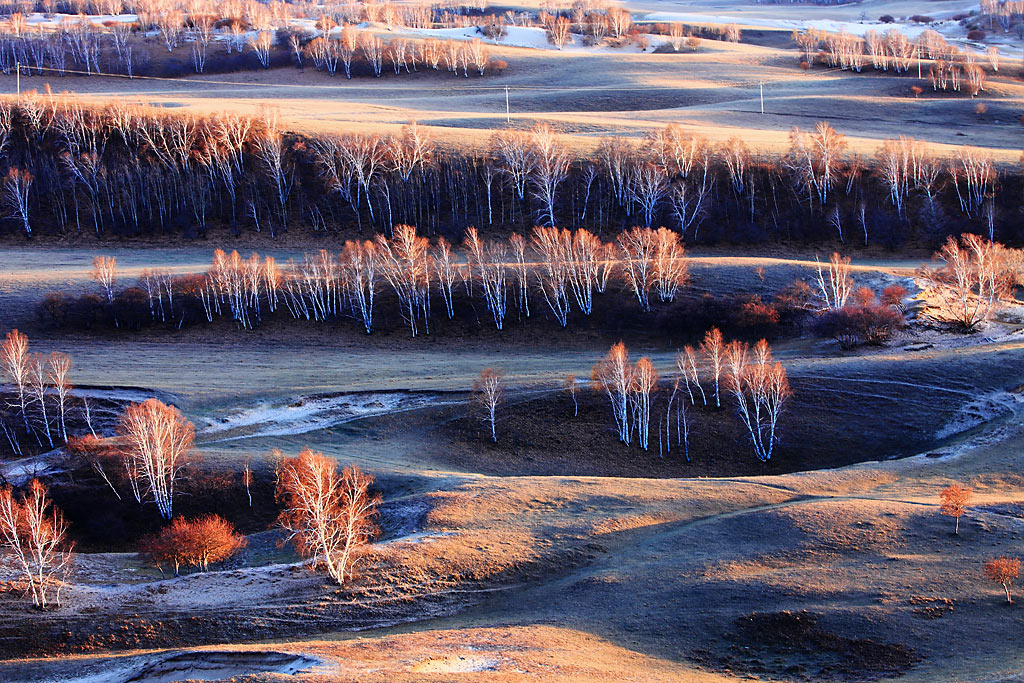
x=508, y=117
x=762, y=97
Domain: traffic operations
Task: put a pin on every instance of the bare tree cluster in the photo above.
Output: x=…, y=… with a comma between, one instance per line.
x=948, y=68
x=975, y=278
x=126, y=169
x=40, y=400
x=566, y=267
x=630, y=388
x=758, y=385
x=760, y=388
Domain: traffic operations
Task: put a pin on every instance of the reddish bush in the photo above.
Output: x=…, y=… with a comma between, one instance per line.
x=797, y=294
x=916, y=90
x=193, y=543
x=953, y=502
x=893, y=295
x=976, y=35
x=755, y=313
x=864, y=297
x=856, y=324
x=85, y=445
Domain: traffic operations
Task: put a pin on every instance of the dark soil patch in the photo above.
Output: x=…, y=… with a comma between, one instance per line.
x=540, y=436
x=103, y=415
x=793, y=646
x=33, y=633
x=616, y=316
x=99, y=522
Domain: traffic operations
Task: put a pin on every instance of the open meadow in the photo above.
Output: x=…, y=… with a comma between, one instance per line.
x=402, y=342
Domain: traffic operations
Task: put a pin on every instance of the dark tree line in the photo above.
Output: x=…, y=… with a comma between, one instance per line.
x=130, y=170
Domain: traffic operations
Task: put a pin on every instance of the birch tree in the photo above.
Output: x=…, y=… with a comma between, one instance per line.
x=835, y=283
x=967, y=288
x=34, y=535
x=551, y=162
x=38, y=384
x=489, y=393
x=638, y=249
x=642, y=389
x=515, y=154
x=446, y=269
x=104, y=271
x=329, y=516
x=613, y=375
x=670, y=269
x=761, y=390
x=158, y=440
x=404, y=262
x=359, y=266
x=14, y=357
x=554, y=249
x=15, y=193
x=712, y=348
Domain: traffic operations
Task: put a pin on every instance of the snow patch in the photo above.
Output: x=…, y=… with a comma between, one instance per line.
x=313, y=413
x=121, y=395
x=981, y=410
x=20, y=472
x=203, y=665
x=533, y=37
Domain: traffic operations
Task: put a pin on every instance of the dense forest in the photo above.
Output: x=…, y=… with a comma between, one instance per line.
x=125, y=170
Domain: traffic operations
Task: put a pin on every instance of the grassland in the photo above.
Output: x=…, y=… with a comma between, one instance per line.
x=559, y=553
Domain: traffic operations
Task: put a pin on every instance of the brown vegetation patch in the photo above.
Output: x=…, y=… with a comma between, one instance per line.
x=613, y=525
x=795, y=646
x=832, y=531
x=931, y=608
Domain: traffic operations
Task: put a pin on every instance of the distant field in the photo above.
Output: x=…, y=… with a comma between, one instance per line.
x=587, y=94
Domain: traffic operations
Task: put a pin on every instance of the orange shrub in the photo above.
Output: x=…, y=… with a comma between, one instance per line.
x=193, y=543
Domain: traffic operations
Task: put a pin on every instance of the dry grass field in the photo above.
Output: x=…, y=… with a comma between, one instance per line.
x=555, y=553
x=589, y=93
